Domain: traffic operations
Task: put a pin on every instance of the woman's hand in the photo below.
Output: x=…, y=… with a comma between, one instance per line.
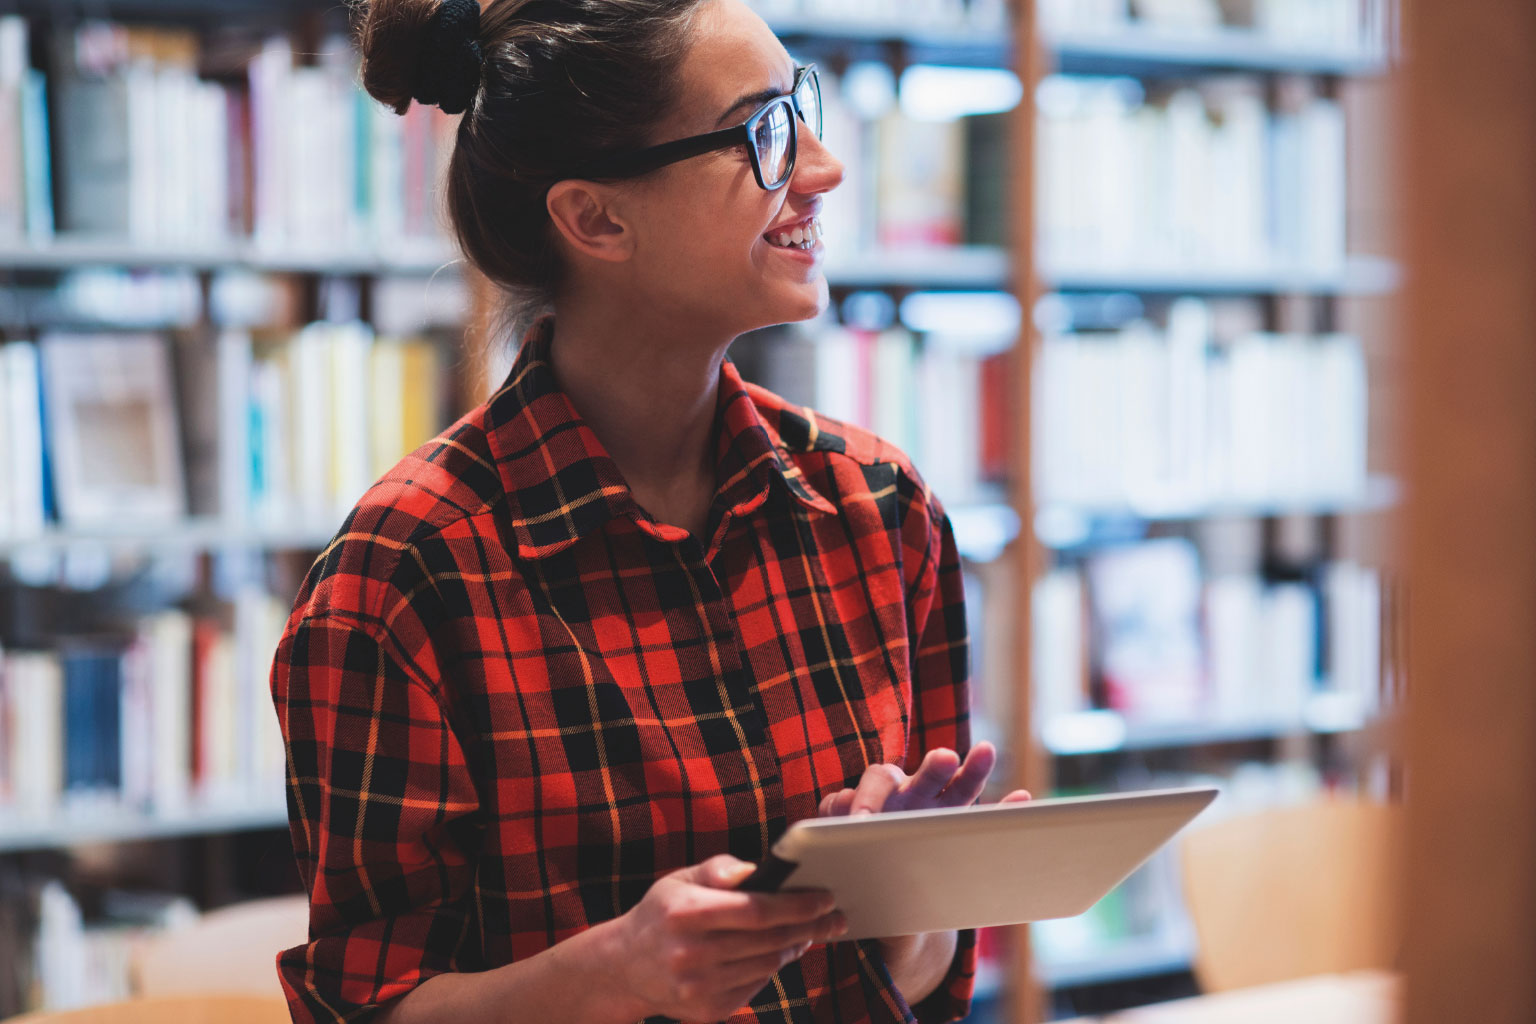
x=695, y=949
x=941, y=781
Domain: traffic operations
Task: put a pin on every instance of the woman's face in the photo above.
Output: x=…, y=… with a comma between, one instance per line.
x=703, y=225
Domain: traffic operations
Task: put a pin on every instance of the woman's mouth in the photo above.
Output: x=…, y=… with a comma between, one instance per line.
x=804, y=236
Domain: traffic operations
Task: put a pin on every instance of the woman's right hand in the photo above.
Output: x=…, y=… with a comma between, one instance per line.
x=694, y=948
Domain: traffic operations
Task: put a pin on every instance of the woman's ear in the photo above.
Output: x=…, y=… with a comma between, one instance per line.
x=585, y=214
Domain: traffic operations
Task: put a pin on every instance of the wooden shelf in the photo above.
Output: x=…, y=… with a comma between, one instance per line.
x=1144, y=51
x=972, y=268
x=1102, y=732
x=1064, y=525
x=940, y=43
x=1360, y=275
x=407, y=257
x=68, y=830
x=982, y=530
x=188, y=535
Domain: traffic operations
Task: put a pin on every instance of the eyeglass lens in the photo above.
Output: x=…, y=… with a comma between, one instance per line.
x=772, y=134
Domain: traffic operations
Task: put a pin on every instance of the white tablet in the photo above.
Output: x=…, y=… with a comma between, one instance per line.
x=905, y=872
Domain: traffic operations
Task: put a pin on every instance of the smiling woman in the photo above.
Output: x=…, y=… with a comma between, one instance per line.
x=569, y=669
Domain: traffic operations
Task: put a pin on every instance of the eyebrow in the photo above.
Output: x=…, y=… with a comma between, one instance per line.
x=757, y=99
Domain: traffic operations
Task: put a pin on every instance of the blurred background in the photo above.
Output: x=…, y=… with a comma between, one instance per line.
x=1119, y=275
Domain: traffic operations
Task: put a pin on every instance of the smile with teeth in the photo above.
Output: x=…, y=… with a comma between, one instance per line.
x=805, y=236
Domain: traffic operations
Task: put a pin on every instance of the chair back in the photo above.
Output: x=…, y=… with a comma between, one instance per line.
x=1293, y=892
x=229, y=950
x=199, y=1009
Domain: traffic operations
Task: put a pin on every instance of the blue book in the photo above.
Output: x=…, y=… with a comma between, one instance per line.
x=92, y=720
x=37, y=167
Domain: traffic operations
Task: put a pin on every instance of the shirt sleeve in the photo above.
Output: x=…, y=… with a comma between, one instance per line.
x=379, y=802
x=941, y=698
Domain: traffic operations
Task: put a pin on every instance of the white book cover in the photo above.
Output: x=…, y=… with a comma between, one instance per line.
x=1290, y=649
x=1190, y=143
x=386, y=405
x=1189, y=335
x=221, y=720
x=312, y=444
x=387, y=173
x=1326, y=185
x=234, y=369
x=169, y=637
x=1234, y=651
x=893, y=387
x=348, y=402
x=37, y=763
x=147, y=141
x=136, y=742
x=1254, y=373
x=210, y=167
x=948, y=447
x=271, y=111
x=839, y=375
x=13, y=66
x=259, y=623
x=22, y=434
x=1141, y=380
x=1058, y=655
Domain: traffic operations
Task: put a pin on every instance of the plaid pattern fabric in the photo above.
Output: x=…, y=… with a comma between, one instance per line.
x=512, y=700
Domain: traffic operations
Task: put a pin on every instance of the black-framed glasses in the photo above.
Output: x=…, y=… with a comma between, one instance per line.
x=769, y=135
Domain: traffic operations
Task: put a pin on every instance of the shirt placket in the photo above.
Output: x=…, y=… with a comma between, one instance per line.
x=740, y=694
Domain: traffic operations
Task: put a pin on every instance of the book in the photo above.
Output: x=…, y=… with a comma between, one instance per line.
x=112, y=432
x=1142, y=419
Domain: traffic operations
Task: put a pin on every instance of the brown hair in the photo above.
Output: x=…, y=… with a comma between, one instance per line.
x=563, y=82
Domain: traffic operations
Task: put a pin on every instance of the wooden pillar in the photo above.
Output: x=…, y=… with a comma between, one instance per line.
x=1469, y=160
x=1026, y=998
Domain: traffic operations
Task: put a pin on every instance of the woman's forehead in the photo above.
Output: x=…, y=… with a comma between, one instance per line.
x=733, y=53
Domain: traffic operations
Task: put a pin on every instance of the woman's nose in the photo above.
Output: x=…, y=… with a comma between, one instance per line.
x=816, y=169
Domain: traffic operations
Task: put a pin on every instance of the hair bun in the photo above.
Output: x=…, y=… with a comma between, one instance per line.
x=448, y=73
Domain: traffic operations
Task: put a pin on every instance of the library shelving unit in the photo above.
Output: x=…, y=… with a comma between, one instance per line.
x=1004, y=533
x=231, y=842
x=1094, y=745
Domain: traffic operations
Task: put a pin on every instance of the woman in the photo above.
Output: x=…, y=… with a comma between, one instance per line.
x=569, y=669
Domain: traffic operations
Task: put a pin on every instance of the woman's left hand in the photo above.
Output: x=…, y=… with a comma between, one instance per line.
x=941, y=781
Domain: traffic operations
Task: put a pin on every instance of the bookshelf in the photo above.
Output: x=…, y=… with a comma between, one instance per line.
x=1114, y=90
x=978, y=254
x=67, y=831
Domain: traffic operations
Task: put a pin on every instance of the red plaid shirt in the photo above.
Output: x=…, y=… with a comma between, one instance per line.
x=512, y=700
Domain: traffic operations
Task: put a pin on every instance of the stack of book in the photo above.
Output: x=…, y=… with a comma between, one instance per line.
x=1323, y=24
x=26, y=198
x=1189, y=177
x=940, y=398
x=914, y=178
x=175, y=716
x=894, y=15
x=161, y=143
x=1140, y=630
x=257, y=429
x=1142, y=418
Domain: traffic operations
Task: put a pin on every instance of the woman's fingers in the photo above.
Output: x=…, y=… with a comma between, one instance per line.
x=877, y=785
x=941, y=780
x=936, y=771
x=971, y=779
x=1018, y=796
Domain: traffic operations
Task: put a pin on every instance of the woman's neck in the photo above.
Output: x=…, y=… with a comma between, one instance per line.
x=650, y=396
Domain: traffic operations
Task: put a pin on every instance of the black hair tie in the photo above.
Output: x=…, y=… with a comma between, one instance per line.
x=451, y=58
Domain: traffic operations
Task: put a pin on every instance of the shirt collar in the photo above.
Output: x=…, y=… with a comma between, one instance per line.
x=561, y=483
